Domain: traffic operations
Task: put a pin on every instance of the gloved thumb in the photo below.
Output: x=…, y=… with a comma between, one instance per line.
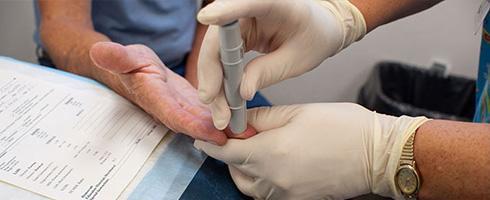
x=268, y=118
x=268, y=69
x=221, y=12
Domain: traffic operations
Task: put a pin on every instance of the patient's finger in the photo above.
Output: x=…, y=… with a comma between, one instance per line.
x=119, y=59
x=249, y=132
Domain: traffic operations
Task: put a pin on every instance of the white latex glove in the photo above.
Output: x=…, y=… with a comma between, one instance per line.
x=295, y=36
x=317, y=151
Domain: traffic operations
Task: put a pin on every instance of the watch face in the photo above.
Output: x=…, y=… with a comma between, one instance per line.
x=407, y=180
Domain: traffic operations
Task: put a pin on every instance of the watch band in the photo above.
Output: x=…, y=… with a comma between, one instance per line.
x=407, y=160
x=407, y=157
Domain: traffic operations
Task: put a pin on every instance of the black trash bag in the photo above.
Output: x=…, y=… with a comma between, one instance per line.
x=399, y=89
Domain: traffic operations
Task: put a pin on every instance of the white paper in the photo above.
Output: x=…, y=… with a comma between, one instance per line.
x=66, y=143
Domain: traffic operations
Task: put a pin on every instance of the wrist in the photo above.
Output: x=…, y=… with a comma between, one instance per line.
x=367, y=12
x=350, y=18
x=391, y=135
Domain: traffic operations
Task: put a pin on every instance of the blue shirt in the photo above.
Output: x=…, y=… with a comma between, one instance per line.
x=482, y=85
x=166, y=26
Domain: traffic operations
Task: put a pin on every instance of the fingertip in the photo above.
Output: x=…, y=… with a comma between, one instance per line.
x=101, y=49
x=220, y=112
x=217, y=137
x=249, y=132
x=213, y=135
x=250, y=96
x=210, y=14
x=105, y=54
x=247, y=89
x=223, y=12
x=206, y=17
x=222, y=139
x=220, y=124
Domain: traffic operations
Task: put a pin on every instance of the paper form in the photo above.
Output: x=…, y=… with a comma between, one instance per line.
x=64, y=143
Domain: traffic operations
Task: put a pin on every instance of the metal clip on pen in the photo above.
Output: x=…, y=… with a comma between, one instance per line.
x=231, y=51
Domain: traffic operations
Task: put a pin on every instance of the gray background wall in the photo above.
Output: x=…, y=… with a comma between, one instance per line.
x=445, y=32
x=16, y=28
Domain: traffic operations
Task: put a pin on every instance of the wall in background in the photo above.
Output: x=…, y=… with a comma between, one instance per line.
x=16, y=29
x=445, y=32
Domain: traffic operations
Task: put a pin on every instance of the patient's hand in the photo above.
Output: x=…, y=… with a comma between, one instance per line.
x=160, y=92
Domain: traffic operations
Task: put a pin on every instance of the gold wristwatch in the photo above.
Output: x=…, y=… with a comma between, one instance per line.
x=406, y=178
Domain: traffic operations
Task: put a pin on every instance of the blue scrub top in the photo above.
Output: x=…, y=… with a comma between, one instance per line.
x=482, y=113
x=166, y=26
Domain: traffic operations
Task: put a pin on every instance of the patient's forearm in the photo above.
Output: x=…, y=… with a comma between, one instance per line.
x=453, y=159
x=379, y=12
x=69, y=48
x=67, y=34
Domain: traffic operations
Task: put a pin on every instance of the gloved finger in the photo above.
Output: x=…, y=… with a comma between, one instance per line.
x=119, y=59
x=242, y=181
x=266, y=70
x=209, y=69
x=235, y=151
x=268, y=118
x=222, y=12
x=220, y=111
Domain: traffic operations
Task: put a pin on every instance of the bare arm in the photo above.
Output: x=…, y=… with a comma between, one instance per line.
x=453, y=159
x=67, y=34
x=379, y=12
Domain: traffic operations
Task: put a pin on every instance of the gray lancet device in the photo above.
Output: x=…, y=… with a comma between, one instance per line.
x=231, y=53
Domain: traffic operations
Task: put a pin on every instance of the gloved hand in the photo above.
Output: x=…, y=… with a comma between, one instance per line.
x=295, y=36
x=317, y=151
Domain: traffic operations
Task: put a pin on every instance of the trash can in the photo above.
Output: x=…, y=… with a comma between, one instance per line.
x=400, y=89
